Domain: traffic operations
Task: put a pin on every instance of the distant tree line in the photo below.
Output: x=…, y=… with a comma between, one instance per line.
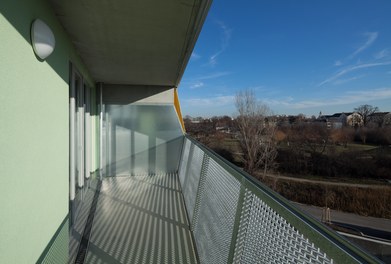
x=312, y=149
x=297, y=145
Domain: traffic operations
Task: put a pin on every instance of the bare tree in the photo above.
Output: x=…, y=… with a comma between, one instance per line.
x=269, y=146
x=363, y=132
x=365, y=111
x=310, y=138
x=257, y=130
x=342, y=136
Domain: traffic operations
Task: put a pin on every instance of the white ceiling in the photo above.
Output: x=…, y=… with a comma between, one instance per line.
x=137, y=42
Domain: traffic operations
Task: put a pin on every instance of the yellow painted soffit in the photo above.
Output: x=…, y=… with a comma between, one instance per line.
x=178, y=109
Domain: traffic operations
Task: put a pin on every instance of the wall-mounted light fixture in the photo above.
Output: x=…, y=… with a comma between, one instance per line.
x=42, y=39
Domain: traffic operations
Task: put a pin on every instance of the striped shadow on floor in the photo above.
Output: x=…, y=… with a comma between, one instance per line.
x=141, y=219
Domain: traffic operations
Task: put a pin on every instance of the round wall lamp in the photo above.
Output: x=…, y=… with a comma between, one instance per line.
x=42, y=39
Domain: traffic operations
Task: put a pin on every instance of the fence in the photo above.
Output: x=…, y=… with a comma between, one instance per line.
x=236, y=219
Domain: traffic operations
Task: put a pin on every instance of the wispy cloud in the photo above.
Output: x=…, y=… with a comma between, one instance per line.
x=338, y=63
x=350, y=97
x=382, y=54
x=211, y=101
x=352, y=69
x=195, y=56
x=199, y=81
x=259, y=88
x=212, y=75
x=213, y=59
x=225, y=38
x=197, y=85
x=371, y=37
x=342, y=81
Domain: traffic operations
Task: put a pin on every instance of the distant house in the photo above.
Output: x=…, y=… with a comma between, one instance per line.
x=223, y=129
x=337, y=120
x=387, y=120
x=379, y=119
x=354, y=120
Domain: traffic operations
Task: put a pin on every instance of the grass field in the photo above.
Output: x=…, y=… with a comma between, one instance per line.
x=364, y=201
x=323, y=190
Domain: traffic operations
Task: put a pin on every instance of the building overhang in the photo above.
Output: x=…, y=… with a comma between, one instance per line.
x=145, y=42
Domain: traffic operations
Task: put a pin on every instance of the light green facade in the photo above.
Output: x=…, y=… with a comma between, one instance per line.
x=34, y=132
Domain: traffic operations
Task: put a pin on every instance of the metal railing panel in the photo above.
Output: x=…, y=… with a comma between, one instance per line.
x=191, y=181
x=265, y=237
x=215, y=220
x=182, y=171
x=237, y=219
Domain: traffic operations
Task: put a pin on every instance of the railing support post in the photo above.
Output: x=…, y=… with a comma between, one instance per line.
x=238, y=214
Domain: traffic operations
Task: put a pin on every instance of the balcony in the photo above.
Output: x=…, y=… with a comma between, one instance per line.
x=208, y=211
x=97, y=127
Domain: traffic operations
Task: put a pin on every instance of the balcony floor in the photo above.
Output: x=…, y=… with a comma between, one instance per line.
x=140, y=219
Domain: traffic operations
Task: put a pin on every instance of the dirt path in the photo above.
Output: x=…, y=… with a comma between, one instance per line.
x=347, y=184
x=349, y=218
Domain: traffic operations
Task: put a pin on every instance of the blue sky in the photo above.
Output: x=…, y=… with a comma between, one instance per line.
x=298, y=57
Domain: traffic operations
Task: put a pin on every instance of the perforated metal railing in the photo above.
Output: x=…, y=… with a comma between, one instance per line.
x=236, y=219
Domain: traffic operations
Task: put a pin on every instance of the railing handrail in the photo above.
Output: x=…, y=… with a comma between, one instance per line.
x=352, y=250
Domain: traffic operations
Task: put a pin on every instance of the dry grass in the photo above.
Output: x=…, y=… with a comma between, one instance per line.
x=375, y=202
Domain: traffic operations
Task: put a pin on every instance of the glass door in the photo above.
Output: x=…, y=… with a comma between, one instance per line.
x=76, y=138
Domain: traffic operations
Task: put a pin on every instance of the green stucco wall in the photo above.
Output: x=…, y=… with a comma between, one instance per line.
x=34, y=132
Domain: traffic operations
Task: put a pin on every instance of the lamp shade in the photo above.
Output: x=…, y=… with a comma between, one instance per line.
x=42, y=38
